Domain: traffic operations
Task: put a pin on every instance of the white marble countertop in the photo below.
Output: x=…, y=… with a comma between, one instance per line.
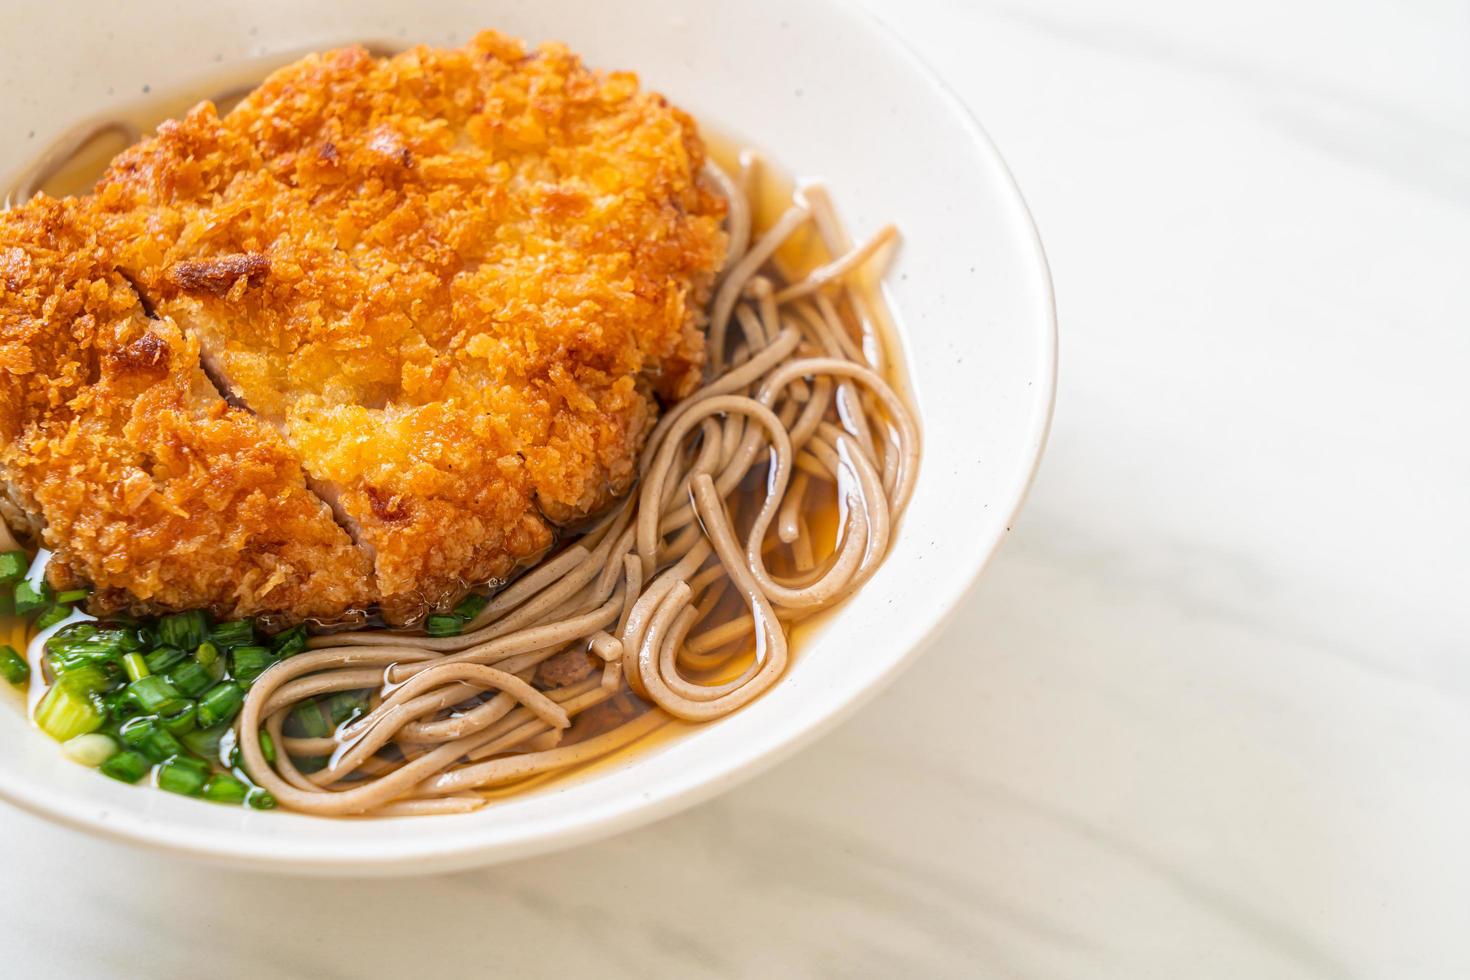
x=1218, y=721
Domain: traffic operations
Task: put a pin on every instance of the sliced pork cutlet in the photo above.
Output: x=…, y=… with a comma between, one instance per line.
x=137, y=475
x=454, y=280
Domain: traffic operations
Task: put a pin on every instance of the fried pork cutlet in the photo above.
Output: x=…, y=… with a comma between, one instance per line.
x=152, y=489
x=448, y=288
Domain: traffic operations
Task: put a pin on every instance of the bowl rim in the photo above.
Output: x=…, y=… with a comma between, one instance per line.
x=587, y=825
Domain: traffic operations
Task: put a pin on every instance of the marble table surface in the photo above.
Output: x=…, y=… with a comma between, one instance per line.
x=1208, y=714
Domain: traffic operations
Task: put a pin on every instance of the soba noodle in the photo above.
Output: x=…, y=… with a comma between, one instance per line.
x=672, y=594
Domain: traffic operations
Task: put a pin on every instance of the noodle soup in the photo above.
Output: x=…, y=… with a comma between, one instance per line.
x=763, y=501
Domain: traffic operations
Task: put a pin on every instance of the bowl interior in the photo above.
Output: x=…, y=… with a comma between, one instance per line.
x=820, y=90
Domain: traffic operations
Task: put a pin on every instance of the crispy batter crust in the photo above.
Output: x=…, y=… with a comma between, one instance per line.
x=152, y=488
x=452, y=281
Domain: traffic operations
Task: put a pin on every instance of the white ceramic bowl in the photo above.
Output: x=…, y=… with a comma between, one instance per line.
x=823, y=90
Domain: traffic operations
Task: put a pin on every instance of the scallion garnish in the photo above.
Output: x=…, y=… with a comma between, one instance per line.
x=163, y=658
x=13, y=567
x=145, y=736
x=191, y=678
x=225, y=788
x=179, y=776
x=160, y=744
x=13, y=666
x=51, y=616
x=288, y=643
x=441, y=624
x=135, y=731
x=248, y=663
x=471, y=606
x=259, y=799
x=219, y=704
x=204, y=742
x=82, y=642
x=93, y=678
x=127, y=766
x=181, y=721
x=207, y=654
x=28, y=599
x=346, y=705
x=70, y=708
x=119, y=706
x=308, y=718
x=184, y=630
x=155, y=695
x=235, y=633
x=90, y=750
x=136, y=666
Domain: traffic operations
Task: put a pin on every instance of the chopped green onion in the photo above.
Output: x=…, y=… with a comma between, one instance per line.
x=178, y=776
x=13, y=566
x=52, y=616
x=215, y=664
x=128, y=767
x=309, y=764
x=191, y=677
x=443, y=625
x=235, y=633
x=268, y=747
x=13, y=666
x=83, y=641
x=248, y=663
x=163, y=658
x=184, y=630
x=70, y=708
x=204, y=742
x=65, y=663
x=259, y=799
x=92, y=678
x=471, y=606
x=28, y=599
x=72, y=595
x=290, y=642
x=207, y=654
x=136, y=666
x=160, y=744
x=219, y=703
x=189, y=762
x=156, y=695
x=119, y=706
x=181, y=721
x=147, y=737
x=346, y=705
x=129, y=639
x=308, y=718
x=90, y=750
x=135, y=731
x=102, y=675
x=224, y=788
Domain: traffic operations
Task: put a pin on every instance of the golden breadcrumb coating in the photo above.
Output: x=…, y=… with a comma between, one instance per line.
x=152, y=488
x=452, y=280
